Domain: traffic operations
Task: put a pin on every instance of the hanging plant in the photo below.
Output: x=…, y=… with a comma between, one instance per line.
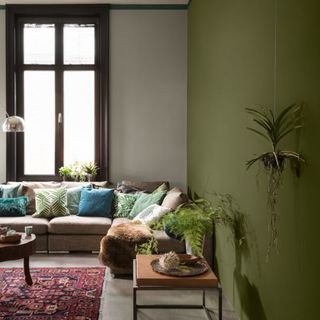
x=273, y=129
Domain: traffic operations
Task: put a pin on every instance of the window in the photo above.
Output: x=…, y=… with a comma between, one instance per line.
x=57, y=80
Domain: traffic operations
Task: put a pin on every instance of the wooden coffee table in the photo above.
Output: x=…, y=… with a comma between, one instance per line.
x=21, y=250
x=144, y=278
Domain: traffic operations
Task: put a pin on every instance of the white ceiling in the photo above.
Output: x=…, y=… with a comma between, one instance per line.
x=2, y=2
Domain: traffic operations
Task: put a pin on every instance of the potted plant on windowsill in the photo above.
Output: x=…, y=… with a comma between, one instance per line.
x=77, y=172
x=65, y=173
x=90, y=169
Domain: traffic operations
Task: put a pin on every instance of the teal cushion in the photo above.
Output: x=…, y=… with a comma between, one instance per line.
x=96, y=203
x=13, y=207
x=73, y=199
x=9, y=191
x=124, y=203
x=145, y=200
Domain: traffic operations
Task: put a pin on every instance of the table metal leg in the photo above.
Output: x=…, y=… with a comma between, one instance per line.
x=204, y=298
x=220, y=303
x=134, y=304
x=27, y=271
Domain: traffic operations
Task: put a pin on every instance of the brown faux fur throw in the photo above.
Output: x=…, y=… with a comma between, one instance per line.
x=117, y=248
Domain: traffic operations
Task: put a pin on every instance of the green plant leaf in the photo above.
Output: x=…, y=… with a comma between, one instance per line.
x=283, y=114
x=259, y=133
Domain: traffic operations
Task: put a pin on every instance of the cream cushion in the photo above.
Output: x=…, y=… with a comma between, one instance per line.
x=151, y=214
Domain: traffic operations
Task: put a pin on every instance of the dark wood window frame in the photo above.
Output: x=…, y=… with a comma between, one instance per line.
x=16, y=15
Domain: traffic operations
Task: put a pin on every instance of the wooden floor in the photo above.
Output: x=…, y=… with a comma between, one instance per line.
x=117, y=299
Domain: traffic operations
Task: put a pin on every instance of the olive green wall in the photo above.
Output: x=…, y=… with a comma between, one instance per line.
x=231, y=65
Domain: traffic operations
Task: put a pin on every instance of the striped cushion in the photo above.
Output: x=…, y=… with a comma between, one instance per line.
x=51, y=203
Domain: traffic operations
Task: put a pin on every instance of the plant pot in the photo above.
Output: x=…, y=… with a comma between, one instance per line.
x=170, y=234
x=90, y=177
x=66, y=178
x=270, y=161
x=189, y=249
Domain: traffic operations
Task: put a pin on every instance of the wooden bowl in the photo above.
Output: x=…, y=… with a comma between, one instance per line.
x=11, y=239
x=189, y=259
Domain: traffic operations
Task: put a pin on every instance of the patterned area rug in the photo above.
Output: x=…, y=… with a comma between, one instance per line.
x=56, y=293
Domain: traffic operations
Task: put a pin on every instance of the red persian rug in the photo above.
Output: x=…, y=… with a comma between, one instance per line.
x=56, y=293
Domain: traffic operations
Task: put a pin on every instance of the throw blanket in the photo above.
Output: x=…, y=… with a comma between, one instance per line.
x=117, y=248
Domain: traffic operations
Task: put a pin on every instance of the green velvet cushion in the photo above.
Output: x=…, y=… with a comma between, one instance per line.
x=51, y=203
x=123, y=203
x=13, y=207
x=145, y=200
x=9, y=191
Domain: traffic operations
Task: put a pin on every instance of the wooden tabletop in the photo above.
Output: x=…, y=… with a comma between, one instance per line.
x=145, y=276
x=14, y=251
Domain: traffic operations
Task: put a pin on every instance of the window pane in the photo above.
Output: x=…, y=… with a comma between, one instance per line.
x=78, y=43
x=78, y=116
x=39, y=43
x=39, y=113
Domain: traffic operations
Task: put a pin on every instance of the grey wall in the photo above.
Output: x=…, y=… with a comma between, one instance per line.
x=148, y=94
x=148, y=89
x=2, y=96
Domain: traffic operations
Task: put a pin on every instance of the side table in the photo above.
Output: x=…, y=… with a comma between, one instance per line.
x=144, y=278
x=21, y=250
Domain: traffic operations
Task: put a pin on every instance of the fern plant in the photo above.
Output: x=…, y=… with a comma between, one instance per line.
x=194, y=220
x=190, y=223
x=273, y=129
x=150, y=247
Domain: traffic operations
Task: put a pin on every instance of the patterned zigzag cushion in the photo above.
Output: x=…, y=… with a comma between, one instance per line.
x=51, y=203
x=123, y=203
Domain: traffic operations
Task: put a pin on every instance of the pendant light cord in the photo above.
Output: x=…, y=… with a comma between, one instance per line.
x=275, y=62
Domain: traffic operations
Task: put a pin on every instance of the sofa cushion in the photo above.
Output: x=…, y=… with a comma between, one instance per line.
x=123, y=203
x=127, y=186
x=117, y=221
x=145, y=200
x=79, y=225
x=9, y=191
x=96, y=203
x=51, y=203
x=40, y=225
x=13, y=207
x=174, y=198
x=151, y=214
x=73, y=199
x=166, y=244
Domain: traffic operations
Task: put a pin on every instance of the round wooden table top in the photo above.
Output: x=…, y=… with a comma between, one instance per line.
x=14, y=251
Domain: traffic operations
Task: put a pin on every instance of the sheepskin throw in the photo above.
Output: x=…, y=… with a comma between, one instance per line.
x=117, y=248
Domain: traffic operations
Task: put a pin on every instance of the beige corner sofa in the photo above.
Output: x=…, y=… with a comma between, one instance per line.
x=75, y=233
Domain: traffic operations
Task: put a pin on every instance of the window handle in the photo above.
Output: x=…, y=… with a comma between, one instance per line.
x=59, y=117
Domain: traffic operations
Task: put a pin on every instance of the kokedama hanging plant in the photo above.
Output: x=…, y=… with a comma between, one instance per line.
x=274, y=128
